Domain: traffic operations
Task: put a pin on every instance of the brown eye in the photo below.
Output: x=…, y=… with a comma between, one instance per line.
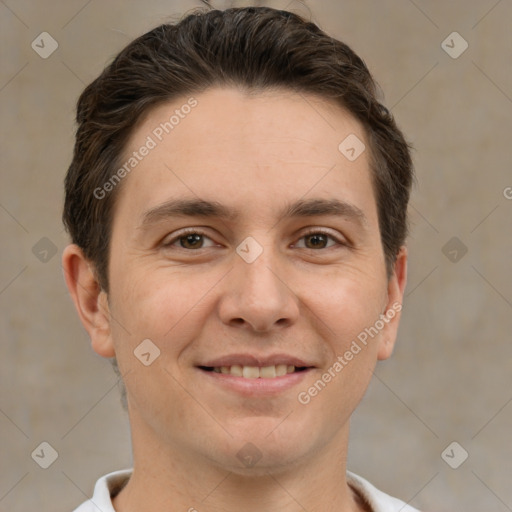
x=191, y=241
x=319, y=240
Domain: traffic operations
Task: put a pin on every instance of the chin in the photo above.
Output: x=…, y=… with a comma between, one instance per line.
x=263, y=446
x=265, y=461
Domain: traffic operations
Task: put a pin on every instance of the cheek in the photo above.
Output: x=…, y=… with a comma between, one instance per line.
x=350, y=301
x=162, y=304
x=348, y=313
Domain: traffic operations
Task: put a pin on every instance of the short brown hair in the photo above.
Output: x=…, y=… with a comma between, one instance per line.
x=254, y=48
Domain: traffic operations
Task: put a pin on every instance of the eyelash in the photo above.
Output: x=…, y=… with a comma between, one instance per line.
x=193, y=231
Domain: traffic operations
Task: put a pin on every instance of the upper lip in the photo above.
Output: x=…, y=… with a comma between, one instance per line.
x=252, y=360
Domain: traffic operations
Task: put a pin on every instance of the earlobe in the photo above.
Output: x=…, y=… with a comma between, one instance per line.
x=395, y=295
x=89, y=299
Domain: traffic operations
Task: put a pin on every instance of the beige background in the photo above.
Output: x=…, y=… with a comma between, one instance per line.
x=450, y=376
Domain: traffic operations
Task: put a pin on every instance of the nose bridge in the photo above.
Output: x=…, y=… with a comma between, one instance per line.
x=259, y=267
x=258, y=293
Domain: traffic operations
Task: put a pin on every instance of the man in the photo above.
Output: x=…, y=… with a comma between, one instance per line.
x=237, y=204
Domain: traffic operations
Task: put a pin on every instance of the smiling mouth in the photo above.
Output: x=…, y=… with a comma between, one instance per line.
x=255, y=372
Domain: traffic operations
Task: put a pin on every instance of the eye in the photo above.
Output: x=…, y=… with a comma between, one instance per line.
x=318, y=240
x=190, y=239
x=194, y=239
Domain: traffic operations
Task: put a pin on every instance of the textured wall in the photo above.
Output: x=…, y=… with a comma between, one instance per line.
x=450, y=376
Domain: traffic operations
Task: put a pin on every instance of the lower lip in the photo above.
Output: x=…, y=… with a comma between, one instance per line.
x=257, y=387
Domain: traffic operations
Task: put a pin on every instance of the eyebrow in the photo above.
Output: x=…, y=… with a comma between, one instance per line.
x=209, y=209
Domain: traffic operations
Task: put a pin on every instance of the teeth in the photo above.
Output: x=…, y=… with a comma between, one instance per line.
x=255, y=372
x=251, y=372
x=281, y=369
x=267, y=372
x=235, y=370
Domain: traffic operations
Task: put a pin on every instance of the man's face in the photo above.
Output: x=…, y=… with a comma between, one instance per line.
x=265, y=287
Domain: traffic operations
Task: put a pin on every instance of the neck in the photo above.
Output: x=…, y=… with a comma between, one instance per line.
x=172, y=479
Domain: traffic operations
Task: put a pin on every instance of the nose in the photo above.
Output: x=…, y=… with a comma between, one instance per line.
x=257, y=296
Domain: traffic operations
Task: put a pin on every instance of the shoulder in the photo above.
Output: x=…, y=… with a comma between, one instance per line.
x=377, y=500
x=105, y=487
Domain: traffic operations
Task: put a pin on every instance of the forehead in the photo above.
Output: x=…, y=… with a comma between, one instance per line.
x=250, y=150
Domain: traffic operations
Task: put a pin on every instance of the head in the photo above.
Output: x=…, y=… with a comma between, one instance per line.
x=247, y=109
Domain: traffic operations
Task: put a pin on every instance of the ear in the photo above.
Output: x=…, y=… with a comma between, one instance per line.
x=90, y=300
x=392, y=313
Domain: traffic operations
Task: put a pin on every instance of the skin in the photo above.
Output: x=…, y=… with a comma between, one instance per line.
x=255, y=154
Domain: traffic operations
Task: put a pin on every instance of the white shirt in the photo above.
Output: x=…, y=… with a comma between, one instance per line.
x=109, y=485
